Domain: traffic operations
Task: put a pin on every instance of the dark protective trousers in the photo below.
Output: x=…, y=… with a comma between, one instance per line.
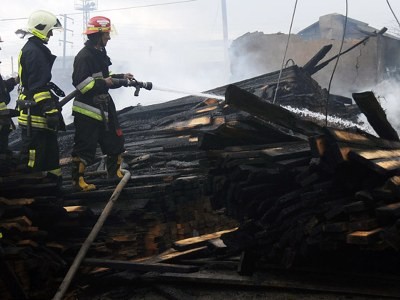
x=39, y=151
x=90, y=132
x=4, y=132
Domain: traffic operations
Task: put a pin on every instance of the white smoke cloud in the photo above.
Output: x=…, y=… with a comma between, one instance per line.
x=388, y=94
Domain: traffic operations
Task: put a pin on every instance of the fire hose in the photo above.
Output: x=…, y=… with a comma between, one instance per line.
x=91, y=237
x=107, y=209
x=118, y=82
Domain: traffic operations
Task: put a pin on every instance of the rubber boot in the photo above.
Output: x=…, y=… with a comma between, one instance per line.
x=77, y=172
x=113, y=166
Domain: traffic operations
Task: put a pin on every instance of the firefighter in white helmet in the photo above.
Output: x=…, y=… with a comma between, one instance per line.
x=39, y=118
x=6, y=86
x=95, y=117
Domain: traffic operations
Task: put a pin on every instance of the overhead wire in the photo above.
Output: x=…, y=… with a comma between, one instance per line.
x=147, y=5
x=114, y=9
x=336, y=63
x=390, y=7
x=284, y=56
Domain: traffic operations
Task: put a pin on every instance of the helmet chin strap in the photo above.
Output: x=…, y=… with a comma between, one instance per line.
x=100, y=42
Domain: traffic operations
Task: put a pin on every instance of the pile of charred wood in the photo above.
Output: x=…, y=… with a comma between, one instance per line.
x=293, y=185
x=41, y=234
x=332, y=191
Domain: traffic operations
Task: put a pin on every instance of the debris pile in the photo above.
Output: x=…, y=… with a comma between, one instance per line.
x=334, y=190
x=200, y=166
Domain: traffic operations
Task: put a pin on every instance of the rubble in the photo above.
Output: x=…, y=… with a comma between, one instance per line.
x=257, y=180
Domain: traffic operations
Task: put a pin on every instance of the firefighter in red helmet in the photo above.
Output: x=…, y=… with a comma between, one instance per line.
x=95, y=117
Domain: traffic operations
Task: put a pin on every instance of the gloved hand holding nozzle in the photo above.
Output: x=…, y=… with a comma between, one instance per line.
x=133, y=82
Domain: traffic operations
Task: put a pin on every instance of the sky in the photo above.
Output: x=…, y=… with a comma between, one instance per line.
x=178, y=44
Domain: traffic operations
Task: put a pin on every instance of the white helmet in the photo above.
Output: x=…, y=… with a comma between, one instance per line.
x=41, y=22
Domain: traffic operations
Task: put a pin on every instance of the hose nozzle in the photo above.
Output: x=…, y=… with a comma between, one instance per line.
x=146, y=85
x=140, y=84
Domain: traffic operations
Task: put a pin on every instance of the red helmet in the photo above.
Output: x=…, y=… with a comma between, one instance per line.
x=98, y=24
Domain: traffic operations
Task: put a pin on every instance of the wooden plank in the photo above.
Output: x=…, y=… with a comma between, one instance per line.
x=378, y=153
x=21, y=220
x=309, y=67
x=292, y=151
x=388, y=212
x=136, y=266
x=364, y=140
x=76, y=208
x=383, y=162
x=20, y=201
x=243, y=100
x=192, y=123
x=242, y=148
x=172, y=255
x=375, y=114
x=199, y=240
x=364, y=237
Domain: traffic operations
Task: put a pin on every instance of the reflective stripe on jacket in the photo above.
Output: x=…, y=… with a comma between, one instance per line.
x=90, y=69
x=35, y=62
x=89, y=111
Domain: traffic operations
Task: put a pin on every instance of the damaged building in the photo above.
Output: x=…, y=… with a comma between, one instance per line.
x=361, y=69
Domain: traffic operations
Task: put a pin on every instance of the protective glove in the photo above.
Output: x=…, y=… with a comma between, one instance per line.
x=128, y=76
x=53, y=120
x=51, y=114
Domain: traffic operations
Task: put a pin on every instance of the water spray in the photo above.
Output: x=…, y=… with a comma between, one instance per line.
x=203, y=95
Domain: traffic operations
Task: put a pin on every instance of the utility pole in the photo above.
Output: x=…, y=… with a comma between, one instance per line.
x=86, y=6
x=225, y=36
x=64, y=40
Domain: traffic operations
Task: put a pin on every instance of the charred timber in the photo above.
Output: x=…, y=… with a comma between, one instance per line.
x=376, y=116
x=245, y=101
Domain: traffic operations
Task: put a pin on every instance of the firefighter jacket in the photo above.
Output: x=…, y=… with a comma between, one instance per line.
x=35, y=62
x=91, y=66
x=6, y=86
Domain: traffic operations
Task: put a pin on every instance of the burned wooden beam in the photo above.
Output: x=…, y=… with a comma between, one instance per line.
x=376, y=116
x=248, y=102
x=310, y=65
x=136, y=266
x=325, y=63
x=198, y=241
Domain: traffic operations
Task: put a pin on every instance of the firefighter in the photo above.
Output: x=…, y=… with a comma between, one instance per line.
x=95, y=117
x=6, y=86
x=39, y=118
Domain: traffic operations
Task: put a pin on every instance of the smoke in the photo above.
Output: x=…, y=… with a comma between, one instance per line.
x=387, y=92
x=189, y=65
